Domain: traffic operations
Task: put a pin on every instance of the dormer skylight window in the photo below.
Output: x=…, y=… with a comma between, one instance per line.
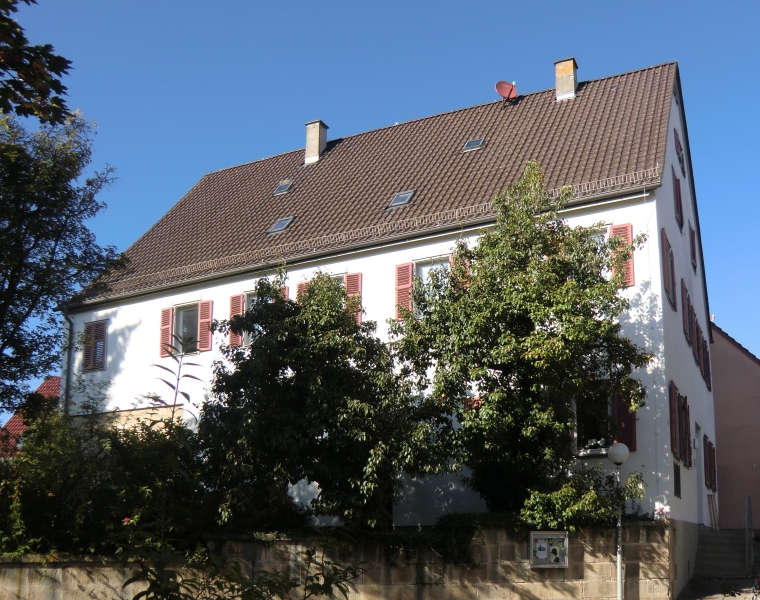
x=475, y=144
x=281, y=224
x=283, y=187
x=401, y=199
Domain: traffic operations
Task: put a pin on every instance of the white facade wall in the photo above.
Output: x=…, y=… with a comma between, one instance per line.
x=134, y=326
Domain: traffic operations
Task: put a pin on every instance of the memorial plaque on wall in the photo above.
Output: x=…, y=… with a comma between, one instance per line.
x=548, y=549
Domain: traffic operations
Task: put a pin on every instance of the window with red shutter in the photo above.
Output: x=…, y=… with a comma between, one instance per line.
x=672, y=260
x=685, y=311
x=706, y=457
x=625, y=232
x=682, y=441
x=205, y=311
x=679, y=152
x=353, y=284
x=404, y=280
x=687, y=434
x=88, y=349
x=692, y=322
x=677, y=197
x=625, y=421
x=95, y=345
x=667, y=276
x=236, y=308
x=99, y=332
x=285, y=292
x=693, y=246
x=301, y=288
x=166, y=331
x=674, y=438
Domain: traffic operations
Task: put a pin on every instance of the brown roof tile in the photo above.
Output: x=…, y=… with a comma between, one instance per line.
x=615, y=127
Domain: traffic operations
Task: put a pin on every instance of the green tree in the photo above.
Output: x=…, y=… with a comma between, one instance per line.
x=520, y=334
x=57, y=493
x=47, y=253
x=30, y=82
x=313, y=397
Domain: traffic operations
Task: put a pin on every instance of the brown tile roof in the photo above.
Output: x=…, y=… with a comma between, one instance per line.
x=11, y=432
x=612, y=136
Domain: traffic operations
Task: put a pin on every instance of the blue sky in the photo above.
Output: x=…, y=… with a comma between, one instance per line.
x=181, y=88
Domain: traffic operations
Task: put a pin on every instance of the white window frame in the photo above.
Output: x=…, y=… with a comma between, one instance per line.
x=180, y=308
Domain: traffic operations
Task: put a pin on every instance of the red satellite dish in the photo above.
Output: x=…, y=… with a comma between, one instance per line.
x=506, y=90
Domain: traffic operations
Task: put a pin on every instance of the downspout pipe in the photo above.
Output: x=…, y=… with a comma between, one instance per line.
x=69, y=354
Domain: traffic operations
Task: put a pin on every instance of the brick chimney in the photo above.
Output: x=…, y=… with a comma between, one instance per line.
x=567, y=79
x=316, y=141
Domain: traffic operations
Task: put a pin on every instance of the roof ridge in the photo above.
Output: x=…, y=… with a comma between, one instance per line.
x=436, y=115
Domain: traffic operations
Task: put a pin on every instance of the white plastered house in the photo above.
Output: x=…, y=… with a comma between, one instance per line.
x=379, y=206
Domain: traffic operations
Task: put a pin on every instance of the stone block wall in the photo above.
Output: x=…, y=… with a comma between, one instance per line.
x=502, y=571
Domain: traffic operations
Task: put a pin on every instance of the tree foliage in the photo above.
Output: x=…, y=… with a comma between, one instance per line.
x=587, y=498
x=516, y=337
x=30, y=82
x=47, y=253
x=314, y=397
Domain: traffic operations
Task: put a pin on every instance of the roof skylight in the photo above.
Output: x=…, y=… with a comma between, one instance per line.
x=475, y=144
x=401, y=198
x=281, y=224
x=283, y=187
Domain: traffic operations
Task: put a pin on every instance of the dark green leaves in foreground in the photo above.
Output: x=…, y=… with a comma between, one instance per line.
x=313, y=398
x=516, y=337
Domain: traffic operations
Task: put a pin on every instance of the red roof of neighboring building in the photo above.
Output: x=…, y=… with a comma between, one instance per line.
x=11, y=432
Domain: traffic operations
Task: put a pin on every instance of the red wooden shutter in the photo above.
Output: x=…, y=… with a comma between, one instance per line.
x=236, y=308
x=99, y=331
x=687, y=315
x=625, y=421
x=461, y=280
x=403, y=288
x=693, y=246
x=672, y=261
x=677, y=196
x=706, y=452
x=666, y=276
x=353, y=284
x=625, y=232
x=167, y=322
x=683, y=433
x=673, y=393
x=687, y=457
x=692, y=321
x=205, y=310
x=697, y=346
x=285, y=292
x=713, y=468
x=88, y=345
x=684, y=310
x=301, y=288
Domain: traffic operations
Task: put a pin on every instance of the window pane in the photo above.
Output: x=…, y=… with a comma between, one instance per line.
x=187, y=328
x=424, y=268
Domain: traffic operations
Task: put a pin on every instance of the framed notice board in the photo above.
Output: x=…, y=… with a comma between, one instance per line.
x=548, y=549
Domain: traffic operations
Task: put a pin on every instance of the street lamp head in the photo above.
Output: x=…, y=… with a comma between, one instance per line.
x=618, y=453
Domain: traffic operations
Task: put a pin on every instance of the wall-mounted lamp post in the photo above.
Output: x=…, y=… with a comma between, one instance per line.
x=618, y=454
